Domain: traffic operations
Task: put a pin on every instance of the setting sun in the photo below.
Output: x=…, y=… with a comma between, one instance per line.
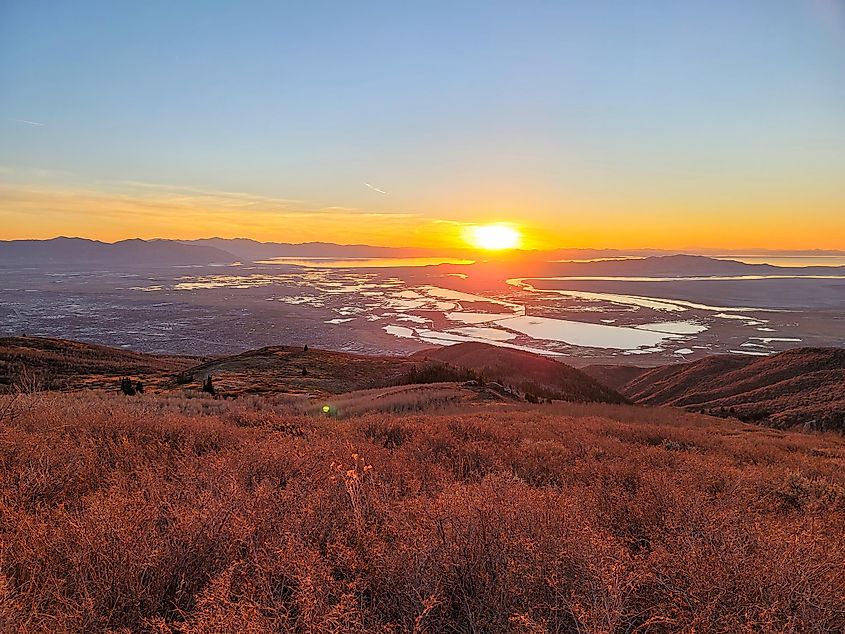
x=494, y=237
x=470, y=306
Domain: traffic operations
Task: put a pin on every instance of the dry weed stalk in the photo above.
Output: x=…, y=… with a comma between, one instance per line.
x=357, y=482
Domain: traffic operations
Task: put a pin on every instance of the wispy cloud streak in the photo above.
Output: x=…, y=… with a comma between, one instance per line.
x=171, y=212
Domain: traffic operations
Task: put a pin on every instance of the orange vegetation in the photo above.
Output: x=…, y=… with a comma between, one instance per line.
x=165, y=514
x=799, y=387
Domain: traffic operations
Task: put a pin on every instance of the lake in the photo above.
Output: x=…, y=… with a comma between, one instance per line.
x=391, y=307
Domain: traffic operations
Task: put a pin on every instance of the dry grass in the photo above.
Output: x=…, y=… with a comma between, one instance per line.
x=802, y=387
x=197, y=515
x=39, y=363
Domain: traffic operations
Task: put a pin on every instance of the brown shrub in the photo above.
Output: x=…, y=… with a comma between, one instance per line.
x=204, y=516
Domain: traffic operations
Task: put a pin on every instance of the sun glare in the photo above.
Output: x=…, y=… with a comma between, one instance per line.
x=494, y=237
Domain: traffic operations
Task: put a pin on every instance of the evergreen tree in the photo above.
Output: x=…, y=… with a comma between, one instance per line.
x=182, y=378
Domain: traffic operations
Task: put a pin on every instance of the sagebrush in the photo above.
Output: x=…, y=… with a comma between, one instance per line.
x=174, y=515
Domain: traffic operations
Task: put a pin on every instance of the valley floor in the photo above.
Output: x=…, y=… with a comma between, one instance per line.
x=164, y=514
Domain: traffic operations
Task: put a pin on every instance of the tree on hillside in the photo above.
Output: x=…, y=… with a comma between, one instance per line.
x=183, y=377
x=208, y=386
x=126, y=386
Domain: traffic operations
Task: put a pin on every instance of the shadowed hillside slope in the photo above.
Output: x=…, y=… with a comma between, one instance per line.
x=804, y=386
x=616, y=377
x=529, y=372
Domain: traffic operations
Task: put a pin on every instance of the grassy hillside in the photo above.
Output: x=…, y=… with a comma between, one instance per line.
x=526, y=371
x=804, y=386
x=164, y=514
x=59, y=364
x=280, y=368
x=615, y=377
x=56, y=364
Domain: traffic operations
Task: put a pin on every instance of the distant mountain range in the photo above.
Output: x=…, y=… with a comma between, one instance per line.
x=87, y=254
x=84, y=254
x=669, y=266
x=136, y=253
x=251, y=250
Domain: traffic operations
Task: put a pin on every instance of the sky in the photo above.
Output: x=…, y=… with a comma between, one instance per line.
x=663, y=124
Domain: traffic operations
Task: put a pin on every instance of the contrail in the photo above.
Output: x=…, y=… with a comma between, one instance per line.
x=27, y=122
x=376, y=189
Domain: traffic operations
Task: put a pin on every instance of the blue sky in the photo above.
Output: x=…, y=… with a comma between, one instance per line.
x=545, y=113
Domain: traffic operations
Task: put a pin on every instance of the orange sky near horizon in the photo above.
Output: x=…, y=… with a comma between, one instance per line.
x=37, y=212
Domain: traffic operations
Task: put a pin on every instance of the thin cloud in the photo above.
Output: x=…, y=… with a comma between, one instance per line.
x=242, y=198
x=29, y=199
x=376, y=189
x=28, y=122
x=107, y=215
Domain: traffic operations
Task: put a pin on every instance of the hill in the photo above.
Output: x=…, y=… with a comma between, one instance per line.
x=614, y=376
x=800, y=387
x=528, y=372
x=59, y=364
x=280, y=369
x=803, y=386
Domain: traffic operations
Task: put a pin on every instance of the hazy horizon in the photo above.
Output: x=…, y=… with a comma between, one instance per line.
x=641, y=251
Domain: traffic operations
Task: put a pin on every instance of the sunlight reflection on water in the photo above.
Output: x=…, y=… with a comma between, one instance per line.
x=520, y=316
